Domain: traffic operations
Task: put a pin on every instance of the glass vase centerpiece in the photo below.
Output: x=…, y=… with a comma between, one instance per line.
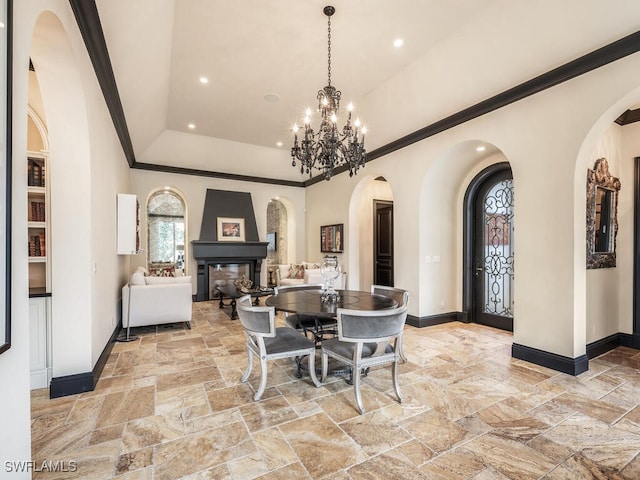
x=330, y=270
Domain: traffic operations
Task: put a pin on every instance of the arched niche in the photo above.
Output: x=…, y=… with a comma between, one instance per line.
x=277, y=232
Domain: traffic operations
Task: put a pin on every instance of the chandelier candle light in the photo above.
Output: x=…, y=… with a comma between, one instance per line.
x=329, y=147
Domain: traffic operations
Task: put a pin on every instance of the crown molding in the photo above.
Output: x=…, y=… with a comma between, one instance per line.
x=88, y=20
x=630, y=116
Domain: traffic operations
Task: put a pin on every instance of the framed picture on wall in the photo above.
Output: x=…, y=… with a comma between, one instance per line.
x=331, y=238
x=231, y=229
x=272, y=238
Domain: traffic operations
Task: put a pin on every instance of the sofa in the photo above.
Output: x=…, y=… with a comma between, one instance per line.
x=157, y=300
x=304, y=273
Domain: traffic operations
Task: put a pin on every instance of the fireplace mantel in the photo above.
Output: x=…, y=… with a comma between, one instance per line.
x=207, y=249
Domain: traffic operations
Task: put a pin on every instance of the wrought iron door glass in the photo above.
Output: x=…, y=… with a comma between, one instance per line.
x=498, y=278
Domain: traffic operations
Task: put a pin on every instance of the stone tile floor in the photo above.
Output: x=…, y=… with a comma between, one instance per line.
x=170, y=406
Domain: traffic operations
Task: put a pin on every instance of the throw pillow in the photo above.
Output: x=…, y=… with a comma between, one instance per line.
x=142, y=270
x=162, y=271
x=296, y=271
x=137, y=278
x=308, y=265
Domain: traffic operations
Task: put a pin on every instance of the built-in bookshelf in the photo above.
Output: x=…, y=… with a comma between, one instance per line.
x=37, y=218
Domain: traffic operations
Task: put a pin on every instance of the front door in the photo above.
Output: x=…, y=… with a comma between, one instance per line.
x=383, y=243
x=493, y=252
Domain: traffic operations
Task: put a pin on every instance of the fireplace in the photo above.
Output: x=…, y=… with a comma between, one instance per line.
x=223, y=274
x=226, y=258
x=222, y=262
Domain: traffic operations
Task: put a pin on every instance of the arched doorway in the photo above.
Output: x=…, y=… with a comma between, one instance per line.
x=488, y=248
x=370, y=193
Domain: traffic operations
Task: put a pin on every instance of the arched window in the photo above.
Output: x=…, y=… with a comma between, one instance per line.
x=166, y=230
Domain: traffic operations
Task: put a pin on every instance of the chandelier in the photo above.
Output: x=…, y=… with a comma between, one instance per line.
x=329, y=147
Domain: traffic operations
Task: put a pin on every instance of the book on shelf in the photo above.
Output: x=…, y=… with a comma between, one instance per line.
x=37, y=211
x=35, y=173
x=37, y=245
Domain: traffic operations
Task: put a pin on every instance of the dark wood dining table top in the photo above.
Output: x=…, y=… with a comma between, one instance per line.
x=310, y=302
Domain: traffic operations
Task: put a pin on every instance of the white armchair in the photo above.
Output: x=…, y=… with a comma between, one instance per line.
x=159, y=300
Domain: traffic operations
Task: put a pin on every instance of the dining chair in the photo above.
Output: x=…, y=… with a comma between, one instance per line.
x=397, y=294
x=317, y=326
x=360, y=333
x=268, y=342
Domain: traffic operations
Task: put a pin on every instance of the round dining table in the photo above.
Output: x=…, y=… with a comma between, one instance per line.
x=310, y=302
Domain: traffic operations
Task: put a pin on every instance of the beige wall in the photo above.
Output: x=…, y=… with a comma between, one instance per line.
x=87, y=169
x=545, y=150
x=603, y=285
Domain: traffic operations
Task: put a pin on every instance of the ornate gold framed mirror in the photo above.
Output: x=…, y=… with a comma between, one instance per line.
x=602, y=216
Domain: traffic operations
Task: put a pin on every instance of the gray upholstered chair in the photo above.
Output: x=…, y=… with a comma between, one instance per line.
x=400, y=296
x=267, y=342
x=313, y=325
x=363, y=342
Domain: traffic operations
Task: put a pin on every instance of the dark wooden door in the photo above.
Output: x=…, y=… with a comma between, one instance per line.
x=493, y=258
x=383, y=243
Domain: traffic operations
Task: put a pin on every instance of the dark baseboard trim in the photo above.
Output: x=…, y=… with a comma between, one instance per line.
x=83, y=382
x=571, y=366
x=71, y=384
x=104, y=356
x=599, y=347
x=630, y=340
x=602, y=346
x=431, y=320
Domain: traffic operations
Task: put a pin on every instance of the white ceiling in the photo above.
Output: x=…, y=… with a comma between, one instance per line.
x=251, y=48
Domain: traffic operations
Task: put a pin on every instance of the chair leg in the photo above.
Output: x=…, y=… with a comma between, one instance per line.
x=401, y=353
x=325, y=365
x=356, y=389
x=396, y=384
x=312, y=369
x=245, y=377
x=298, y=373
x=263, y=379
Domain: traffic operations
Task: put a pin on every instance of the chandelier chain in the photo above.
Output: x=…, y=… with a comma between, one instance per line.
x=329, y=51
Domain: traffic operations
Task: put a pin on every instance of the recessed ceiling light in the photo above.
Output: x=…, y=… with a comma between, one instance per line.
x=204, y=80
x=272, y=97
x=191, y=126
x=481, y=148
x=398, y=42
x=279, y=144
